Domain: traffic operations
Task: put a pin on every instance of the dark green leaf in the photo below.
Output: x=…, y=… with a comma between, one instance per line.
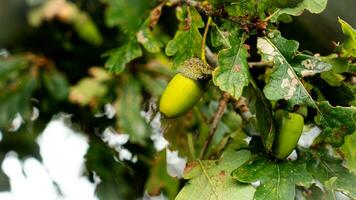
x=306, y=65
x=118, y=58
x=278, y=180
x=129, y=111
x=283, y=83
x=159, y=180
x=16, y=99
x=146, y=37
x=348, y=150
x=323, y=167
x=232, y=75
x=337, y=122
x=127, y=14
x=56, y=84
x=187, y=40
x=12, y=64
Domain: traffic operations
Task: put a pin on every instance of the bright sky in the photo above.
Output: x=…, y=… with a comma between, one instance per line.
x=63, y=153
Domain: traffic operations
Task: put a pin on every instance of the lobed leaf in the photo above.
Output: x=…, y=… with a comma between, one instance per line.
x=277, y=180
x=211, y=179
x=187, y=40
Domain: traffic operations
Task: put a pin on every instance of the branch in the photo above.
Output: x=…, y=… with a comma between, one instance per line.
x=260, y=64
x=214, y=123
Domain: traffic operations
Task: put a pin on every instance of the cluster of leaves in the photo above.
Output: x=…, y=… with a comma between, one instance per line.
x=142, y=51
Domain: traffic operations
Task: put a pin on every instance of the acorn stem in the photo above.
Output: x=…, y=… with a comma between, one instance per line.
x=206, y=30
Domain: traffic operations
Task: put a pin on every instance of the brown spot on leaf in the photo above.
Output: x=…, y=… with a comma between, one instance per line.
x=222, y=175
x=155, y=15
x=237, y=68
x=190, y=166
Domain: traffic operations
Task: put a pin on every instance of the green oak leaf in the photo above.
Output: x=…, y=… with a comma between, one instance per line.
x=129, y=108
x=219, y=37
x=348, y=47
x=232, y=75
x=337, y=122
x=16, y=99
x=264, y=118
x=339, y=65
x=81, y=94
x=277, y=179
x=313, y=6
x=120, y=57
x=210, y=179
x=241, y=8
x=146, y=37
x=56, y=84
x=326, y=168
x=187, y=40
x=158, y=180
x=348, y=150
x=283, y=82
x=127, y=14
x=306, y=65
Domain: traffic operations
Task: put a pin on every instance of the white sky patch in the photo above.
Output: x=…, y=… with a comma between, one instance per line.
x=293, y=156
x=4, y=53
x=62, y=151
x=307, y=138
x=318, y=184
x=157, y=133
x=16, y=122
x=0, y=135
x=109, y=111
x=175, y=164
x=247, y=139
x=116, y=141
x=256, y=184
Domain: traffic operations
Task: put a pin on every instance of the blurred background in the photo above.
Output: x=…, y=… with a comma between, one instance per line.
x=53, y=163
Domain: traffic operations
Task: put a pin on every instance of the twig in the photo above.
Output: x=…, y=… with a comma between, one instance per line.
x=269, y=17
x=241, y=106
x=214, y=124
x=204, y=39
x=260, y=64
x=191, y=145
x=211, y=57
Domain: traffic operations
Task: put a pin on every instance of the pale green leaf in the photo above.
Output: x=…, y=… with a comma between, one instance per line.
x=232, y=75
x=348, y=149
x=348, y=47
x=211, y=179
